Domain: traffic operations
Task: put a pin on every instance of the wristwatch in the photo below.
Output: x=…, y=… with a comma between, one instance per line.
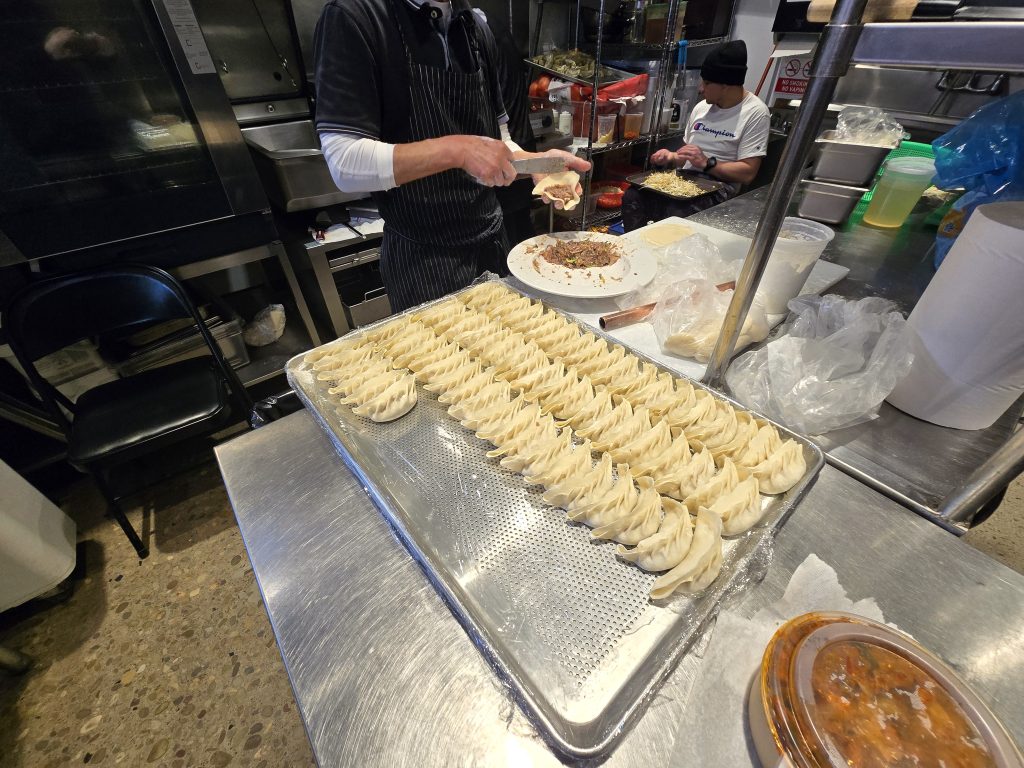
x=711, y=163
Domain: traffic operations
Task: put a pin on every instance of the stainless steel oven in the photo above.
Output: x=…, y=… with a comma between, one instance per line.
x=113, y=126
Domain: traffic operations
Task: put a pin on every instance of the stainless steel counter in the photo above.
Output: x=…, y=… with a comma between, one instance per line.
x=907, y=459
x=384, y=675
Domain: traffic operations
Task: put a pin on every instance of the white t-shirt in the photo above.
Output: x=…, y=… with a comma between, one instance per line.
x=730, y=134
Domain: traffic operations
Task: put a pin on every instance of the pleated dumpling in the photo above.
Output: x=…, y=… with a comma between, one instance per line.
x=625, y=432
x=371, y=387
x=540, y=455
x=610, y=419
x=519, y=318
x=687, y=478
x=666, y=548
x=513, y=420
x=542, y=324
x=442, y=323
x=476, y=407
x=746, y=430
x=764, y=444
x=586, y=348
x=467, y=388
x=683, y=417
x=663, y=465
x=536, y=381
x=782, y=470
x=650, y=443
x=573, y=397
x=428, y=346
x=719, y=428
x=702, y=563
x=484, y=294
x=569, y=464
x=616, y=369
x=708, y=492
x=560, y=334
x=624, y=387
x=394, y=402
x=615, y=502
x=658, y=396
x=592, y=412
x=739, y=508
x=384, y=333
x=575, y=491
x=642, y=521
x=601, y=359
x=519, y=442
x=339, y=355
x=444, y=365
x=357, y=374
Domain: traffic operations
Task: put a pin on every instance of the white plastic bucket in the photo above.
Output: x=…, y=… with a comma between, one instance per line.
x=796, y=250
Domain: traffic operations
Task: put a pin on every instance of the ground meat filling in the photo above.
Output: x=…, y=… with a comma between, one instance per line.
x=562, y=192
x=581, y=255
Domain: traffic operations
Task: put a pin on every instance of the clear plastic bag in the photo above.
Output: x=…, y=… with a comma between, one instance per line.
x=693, y=257
x=868, y=125
x=266, y=328
x=985, y=155
x=836, y=363
x=689, y=316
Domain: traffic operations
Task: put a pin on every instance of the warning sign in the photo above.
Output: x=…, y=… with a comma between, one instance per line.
x=790, y=77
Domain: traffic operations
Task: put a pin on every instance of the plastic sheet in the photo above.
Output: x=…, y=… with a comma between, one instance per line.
x=868, y=125
x=689, y=315
x=833, y=367
x=266, y=328
x=985, y=155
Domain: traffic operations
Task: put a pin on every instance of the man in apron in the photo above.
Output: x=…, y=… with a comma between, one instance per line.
x=409, y=108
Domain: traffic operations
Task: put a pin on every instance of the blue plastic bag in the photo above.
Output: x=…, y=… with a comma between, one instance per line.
x=985, y=155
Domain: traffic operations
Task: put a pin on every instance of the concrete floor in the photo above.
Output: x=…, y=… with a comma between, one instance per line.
x=171, y=661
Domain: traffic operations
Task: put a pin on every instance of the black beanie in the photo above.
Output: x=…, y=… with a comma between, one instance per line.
x=727, y=64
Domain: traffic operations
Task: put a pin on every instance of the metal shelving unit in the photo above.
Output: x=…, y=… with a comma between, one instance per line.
x=977, y=46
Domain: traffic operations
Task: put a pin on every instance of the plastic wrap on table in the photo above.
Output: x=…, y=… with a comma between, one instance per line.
x=832, y=368
x=689, y=315
x=868, y=125
x=985, y=155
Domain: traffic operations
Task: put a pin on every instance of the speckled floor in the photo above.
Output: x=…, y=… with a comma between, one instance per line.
x=167, y=662
x=171, y=661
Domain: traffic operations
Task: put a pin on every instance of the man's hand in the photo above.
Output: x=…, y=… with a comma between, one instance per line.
x=664, y=157
x=572, y=163
x=692, y=154
x=487, y=160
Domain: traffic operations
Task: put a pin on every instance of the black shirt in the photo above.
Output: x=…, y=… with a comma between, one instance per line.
x=362, y=78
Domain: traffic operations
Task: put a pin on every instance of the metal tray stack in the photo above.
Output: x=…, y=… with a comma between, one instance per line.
x=567, y=625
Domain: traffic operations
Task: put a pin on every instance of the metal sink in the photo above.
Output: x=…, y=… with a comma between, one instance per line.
x=292, y=167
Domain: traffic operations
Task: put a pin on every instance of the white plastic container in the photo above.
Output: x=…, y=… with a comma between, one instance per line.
x=798, y=247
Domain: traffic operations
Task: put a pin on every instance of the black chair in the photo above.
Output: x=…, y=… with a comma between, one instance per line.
x=124, y=419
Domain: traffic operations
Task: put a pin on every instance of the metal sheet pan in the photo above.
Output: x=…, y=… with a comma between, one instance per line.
x=609, y=75
x=707, y=185
x=568, y=627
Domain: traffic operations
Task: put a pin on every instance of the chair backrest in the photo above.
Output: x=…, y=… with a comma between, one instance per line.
x=51, y=314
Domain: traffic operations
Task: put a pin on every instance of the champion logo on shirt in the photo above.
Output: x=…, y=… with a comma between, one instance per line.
x=699, y=126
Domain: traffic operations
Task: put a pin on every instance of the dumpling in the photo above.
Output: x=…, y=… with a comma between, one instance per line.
x=537, y=380
x=384, y=333
x=417, y=361
x=371, y=387
x=438, y=312
x=484, y=294
x=621, y=368
x=428, y=346
x=718, y=428
x=708, y=492
x=622, y=388
x=438, y=370
x=414, y=337
x=640, y=522
x=475, y=407
x=739, y=508
x=339, y=356
x=517, y=443
x=665, y=463
x=609, y=420
x=394, y=402
x=542, y=324
x=577, y=490
x=702, y=563
x=587, y=347
x=467, y=388
x=444, y=323
x=782, y=470
x=561, y=334
x=515, y=418
x=569, y=397
x=764, y=444
x=682, y=417
x=356, y=376
x=520, y=316
x=592, y=412
x=540, y=455
x=520, y=361
x=569, y=464
x=658, y=396
x=606, y=507
x=625, y=432
x=650, y=443
x=666, y=548
x=746, y=430
x=688, y=477
x=600, y=360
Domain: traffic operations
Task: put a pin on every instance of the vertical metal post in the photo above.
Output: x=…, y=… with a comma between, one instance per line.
x=831, y=60
x=536, y=30
x=593, y=109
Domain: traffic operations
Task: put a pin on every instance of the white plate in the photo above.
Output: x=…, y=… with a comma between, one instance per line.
x=635, y=269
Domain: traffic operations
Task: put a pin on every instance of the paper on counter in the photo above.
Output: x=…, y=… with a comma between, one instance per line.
x=713, y=728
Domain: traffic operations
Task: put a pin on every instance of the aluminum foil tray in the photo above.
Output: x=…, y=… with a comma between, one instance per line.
x=568, y=626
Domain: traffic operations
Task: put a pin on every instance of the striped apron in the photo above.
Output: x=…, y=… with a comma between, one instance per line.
x=442, y=231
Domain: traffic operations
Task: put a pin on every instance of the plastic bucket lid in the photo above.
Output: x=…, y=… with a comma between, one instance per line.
x=805, y=230
x=911, y=166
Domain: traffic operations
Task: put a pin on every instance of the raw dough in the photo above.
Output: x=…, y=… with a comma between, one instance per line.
x=666, y=233
x=568, y=178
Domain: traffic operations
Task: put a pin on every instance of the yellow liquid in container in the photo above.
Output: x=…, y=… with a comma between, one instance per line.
x=898, y=191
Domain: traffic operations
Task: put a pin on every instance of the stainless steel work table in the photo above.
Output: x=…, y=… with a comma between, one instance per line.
x=384, y=675
x=910, y=460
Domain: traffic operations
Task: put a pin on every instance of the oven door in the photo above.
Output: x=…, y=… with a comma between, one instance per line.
x=113, y=125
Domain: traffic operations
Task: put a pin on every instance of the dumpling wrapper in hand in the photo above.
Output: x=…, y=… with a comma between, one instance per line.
x=565, y=178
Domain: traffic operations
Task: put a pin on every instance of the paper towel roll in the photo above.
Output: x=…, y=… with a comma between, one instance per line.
x=968, y=329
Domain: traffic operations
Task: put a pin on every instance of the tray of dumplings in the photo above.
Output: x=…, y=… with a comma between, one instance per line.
x=582, y=511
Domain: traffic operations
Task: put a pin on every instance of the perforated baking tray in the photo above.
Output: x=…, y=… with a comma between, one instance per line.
x=567, y=626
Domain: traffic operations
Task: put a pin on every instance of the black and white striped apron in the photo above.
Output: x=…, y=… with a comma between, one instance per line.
x=442, y=231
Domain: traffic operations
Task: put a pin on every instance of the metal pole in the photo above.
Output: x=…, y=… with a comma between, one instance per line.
x=963, y=503
x=830, y=63
x=593, y=110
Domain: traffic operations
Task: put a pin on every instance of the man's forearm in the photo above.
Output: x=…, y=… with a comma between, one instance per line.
x=420, y=159
x=736, y=171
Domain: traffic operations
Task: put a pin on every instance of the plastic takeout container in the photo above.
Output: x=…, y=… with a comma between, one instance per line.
x=845, y=163
x=836, y=689
x=796, y=250
x=898, y=190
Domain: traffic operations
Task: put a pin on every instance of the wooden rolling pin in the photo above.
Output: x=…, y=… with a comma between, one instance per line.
x=632, y=315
